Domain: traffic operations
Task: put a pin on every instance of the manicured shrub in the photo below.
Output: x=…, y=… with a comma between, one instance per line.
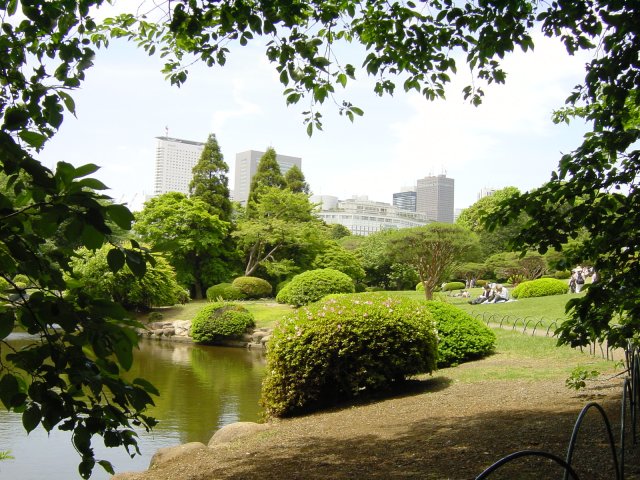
x=541, y=287
x=461, y=337
x=220, y=321
x=224, y=291
x=312, y=285
x=562, y=274
x=453, y=286
x=253, y=287
x=345, y=346
x=420, y=287
x=481, y=283
x=155, y=316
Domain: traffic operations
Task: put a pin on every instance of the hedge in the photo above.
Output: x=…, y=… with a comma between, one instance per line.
x=224, y=291
x=541, y=287
x=312, y=285
x=253, y=287
x=461, y=337
x=343, y=347
x=220, y=321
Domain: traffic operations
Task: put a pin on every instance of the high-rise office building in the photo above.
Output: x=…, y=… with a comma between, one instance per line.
x=246, y=167
x=175, y=159
x=406, y=199
x=486, y=192
x=434, y=198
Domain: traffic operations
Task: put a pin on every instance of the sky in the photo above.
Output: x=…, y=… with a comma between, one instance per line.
x=509, y=140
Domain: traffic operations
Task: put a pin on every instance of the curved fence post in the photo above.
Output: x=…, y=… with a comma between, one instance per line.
x=529, y=453
x=576, y=430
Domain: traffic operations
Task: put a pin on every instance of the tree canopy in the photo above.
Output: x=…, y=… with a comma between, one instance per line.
x=433, y=251
x=190, y=235
x=210, y=182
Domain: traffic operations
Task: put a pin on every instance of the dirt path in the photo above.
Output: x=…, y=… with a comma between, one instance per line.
x=437, y=429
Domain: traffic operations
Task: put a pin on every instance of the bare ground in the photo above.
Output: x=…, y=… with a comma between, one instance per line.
x=437, y=428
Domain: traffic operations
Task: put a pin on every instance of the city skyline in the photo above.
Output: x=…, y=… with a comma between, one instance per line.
x=509, y=140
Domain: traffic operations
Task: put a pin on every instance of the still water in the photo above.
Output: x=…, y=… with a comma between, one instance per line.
x=201, y=390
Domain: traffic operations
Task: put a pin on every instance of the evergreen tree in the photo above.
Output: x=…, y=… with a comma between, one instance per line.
x=294, y=178
x=210, y=182
x=267, y=175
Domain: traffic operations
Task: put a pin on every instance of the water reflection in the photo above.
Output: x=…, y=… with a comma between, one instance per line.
x=202, y=389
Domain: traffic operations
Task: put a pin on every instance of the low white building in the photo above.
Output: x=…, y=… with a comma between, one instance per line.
x=363, y=216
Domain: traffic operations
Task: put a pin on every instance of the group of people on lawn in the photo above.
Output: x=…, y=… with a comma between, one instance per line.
x=492, y=293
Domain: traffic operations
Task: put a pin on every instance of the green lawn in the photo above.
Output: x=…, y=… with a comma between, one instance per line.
x=266, y=312
x=543, y=311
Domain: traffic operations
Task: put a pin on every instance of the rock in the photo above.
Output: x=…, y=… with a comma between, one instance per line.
x=258, y=335
x=265, y=339
x=169, y=454
x=169, y=331
x=235, y=431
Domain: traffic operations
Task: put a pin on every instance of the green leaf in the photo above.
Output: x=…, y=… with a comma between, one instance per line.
x=92, y=183
x=136, y=263
x=124, y=352
x=115, y=259
x=7, y=322
x=84, y=170
x=34, y=139
x=31, y=417
x=121, y=215
x=146, y=385
x=91, y=238
x=8, y=389
x=107, y=466
x=68, y=101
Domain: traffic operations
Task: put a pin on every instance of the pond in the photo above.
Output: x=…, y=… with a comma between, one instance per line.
x=202, y=389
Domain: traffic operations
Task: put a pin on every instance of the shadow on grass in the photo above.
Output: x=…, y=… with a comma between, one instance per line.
x=435, y=448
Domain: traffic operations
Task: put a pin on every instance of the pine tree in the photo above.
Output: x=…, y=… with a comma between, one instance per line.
x=267, y=175
x=210, y=182
x=294, y=178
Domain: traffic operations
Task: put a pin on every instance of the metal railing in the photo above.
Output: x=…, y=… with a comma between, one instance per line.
x=629, y=408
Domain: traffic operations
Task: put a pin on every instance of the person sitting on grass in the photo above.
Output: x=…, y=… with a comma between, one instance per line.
x=502, y=294
x=485, y=296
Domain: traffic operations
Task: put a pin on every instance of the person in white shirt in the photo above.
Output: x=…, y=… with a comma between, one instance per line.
x=502, y=294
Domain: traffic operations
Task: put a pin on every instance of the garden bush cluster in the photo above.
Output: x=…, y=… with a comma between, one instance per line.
x=313, y=285
x=461, y=337
x=343, y=347
x=224, y=291
x=541, y=287
x=220, y=321
x=253, y=287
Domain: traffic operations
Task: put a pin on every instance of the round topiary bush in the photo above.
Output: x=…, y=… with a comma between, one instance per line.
x=312, y=285
x=562, y=274
x=224, y=291
x=343, y=347
x=541, y=287
x=220, y=321
x=420, y=287
x=448, y=287
x=253, y=287
x=461, y=337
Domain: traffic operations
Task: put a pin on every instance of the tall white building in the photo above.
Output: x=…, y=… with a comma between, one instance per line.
x=175, y=159
x=486, y=192
x=363, y=216
x=434, y=198
x=246, y=167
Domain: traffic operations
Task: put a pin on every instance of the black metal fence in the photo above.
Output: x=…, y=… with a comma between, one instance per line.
x=628, y=424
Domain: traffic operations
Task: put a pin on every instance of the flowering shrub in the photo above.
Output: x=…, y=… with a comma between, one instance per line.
x=253, y=287
x=312, y=285
x=541, y=287
x=345, y=346
x=219, y=321
x=461, y=337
